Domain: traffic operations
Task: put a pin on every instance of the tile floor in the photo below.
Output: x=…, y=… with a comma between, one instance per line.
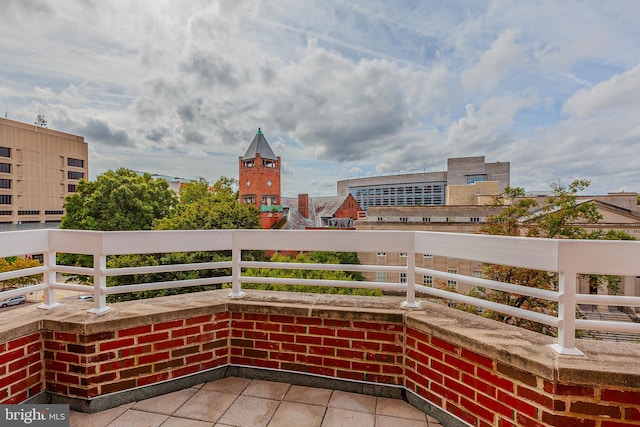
x=255, y=403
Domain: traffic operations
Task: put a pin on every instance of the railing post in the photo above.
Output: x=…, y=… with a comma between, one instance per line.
x=566, y=344
x=236, y=256
x=49, y=277
x=99, y=284
x=411, y=277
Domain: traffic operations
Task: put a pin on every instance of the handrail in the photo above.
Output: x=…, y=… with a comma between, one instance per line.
x=566, y=258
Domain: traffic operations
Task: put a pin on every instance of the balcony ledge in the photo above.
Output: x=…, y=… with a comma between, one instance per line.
x=521, y=356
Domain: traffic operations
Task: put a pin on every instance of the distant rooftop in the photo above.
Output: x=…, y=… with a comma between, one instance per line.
x=259, y=145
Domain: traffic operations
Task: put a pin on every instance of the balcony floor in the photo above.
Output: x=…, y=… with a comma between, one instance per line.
x=253, y=403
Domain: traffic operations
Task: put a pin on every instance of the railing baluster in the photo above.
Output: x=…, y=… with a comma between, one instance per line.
x=49, y=277
x=99, y=284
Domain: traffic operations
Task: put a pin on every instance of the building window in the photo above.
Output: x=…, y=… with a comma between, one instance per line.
x=75, y=175
x=380, y=219
x=269, y=200
x=54, y=212
x=428, y=256
x=75, y=162
x=28, y=212
x=5, y=167
x=403, y=277
x=382, y=276
x=71, y=188
x=382, y=254
x=249, y=199
x=476, y=178
x=248, y=164
x=403, y=219
x=5, y=183
x=5, y=152
x=426, y=219
x=451, y=219
x=427, y=280
x=453, y=283
x=477, y=274
x=475, y=219
x=5, y=199
x=403, y=254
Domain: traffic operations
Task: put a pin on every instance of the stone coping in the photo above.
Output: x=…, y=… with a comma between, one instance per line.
x=605, y=362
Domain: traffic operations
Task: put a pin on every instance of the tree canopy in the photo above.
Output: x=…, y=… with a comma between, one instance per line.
x=202, y=209
x=118, y=200
x=562, y=217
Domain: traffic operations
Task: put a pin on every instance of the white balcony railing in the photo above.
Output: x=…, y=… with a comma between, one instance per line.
x=568, y=258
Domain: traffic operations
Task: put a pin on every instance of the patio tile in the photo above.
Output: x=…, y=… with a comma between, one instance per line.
x=206, y=405
x=266, y=389
x=433, y=422
x=311, y=395
x=386, y=421
x=167, y=403
x=249, y=411
x=138, y=418
x=398, y=408
x=291, y=414
x=231, y=385
x=99, y=419
x=353, y=402
x=336, y=417
x=185, y=422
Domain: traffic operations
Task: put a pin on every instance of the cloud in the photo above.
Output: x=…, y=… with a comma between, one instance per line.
x=96, y=130
x=494, y=63
x=338, y=87
x=621, y=92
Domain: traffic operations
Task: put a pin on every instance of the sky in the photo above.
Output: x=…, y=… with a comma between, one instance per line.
x=340, y=88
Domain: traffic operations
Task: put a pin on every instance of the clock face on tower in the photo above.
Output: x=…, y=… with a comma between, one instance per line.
x=269, y=183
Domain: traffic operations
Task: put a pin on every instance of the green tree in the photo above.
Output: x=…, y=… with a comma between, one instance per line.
x=507, y=223
x=16, y=263
x=201, y=207
x=120, y=200
x=560, y=218
x=312, y=257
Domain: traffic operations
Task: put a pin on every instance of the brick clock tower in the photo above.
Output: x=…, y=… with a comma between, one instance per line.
x=259, y=180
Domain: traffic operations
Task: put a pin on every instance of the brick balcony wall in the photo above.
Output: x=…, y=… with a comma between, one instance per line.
x=483, y=372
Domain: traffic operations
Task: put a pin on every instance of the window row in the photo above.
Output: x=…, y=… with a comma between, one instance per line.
x=75, y=175
x=29, y=212
x=75, y=162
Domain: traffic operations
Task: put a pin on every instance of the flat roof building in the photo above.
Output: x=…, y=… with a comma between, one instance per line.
x=425, y=188
x=39, y=167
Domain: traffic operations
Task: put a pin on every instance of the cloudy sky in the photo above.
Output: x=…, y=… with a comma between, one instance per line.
x=340, y=88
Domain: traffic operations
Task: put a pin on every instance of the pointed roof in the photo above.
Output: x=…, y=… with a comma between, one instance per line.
x=259, y=145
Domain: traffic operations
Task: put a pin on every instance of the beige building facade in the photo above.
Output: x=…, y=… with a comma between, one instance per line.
x=619, y=211
x=39, y=167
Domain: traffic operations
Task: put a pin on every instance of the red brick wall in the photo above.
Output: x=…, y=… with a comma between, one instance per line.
x=21, y=368
x=349, y=209
x=379, y=348
x=88, y=365
x=349, y=349
x=486, y=392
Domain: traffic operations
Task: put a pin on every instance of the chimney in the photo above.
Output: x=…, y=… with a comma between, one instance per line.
x=303, y=205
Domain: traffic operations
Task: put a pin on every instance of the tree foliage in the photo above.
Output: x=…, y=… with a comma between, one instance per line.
x=17, y=263
x=201, y=209
x=562, y=217
x=312, y=257
x=118, y=200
